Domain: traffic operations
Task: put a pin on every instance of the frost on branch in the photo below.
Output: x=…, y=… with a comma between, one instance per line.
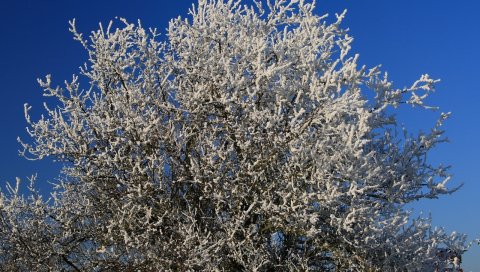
x=243, y=142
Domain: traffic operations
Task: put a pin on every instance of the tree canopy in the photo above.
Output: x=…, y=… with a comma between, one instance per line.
x=247, y=139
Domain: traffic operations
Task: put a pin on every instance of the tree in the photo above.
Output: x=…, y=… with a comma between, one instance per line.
x=248, y=140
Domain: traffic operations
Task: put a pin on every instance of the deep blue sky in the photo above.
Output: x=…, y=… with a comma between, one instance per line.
x=407, y=37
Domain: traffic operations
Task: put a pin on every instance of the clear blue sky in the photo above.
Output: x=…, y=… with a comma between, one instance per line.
x=407, y=37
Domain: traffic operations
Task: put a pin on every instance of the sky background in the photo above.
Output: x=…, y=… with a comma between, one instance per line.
x=408, y=37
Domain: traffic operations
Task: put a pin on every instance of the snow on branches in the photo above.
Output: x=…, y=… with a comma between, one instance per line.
x=243, y=142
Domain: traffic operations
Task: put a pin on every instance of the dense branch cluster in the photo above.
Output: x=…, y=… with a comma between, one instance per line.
x=248, y=140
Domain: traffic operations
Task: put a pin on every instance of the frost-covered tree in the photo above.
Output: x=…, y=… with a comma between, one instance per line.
x=248, y=139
